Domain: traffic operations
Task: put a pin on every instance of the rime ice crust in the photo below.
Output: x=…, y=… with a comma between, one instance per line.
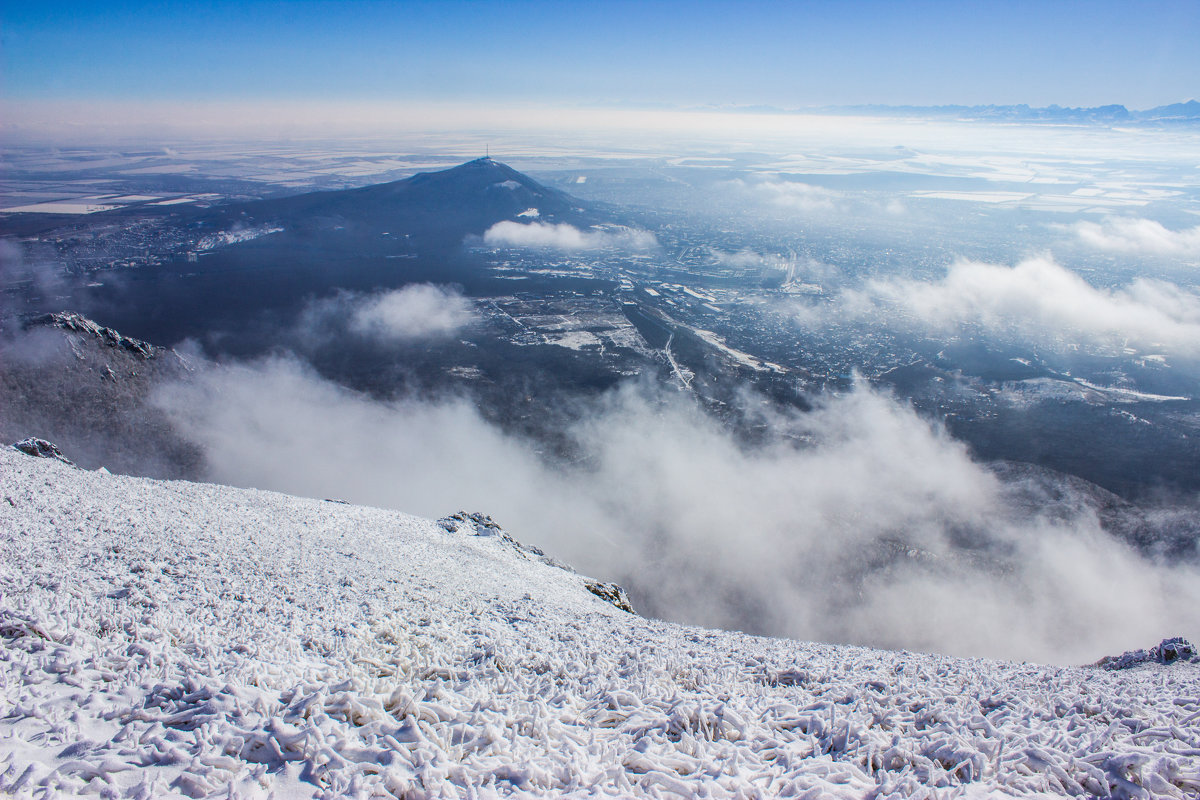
x=166, y=639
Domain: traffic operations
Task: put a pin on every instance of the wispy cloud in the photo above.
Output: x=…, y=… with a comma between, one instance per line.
x=566, y=237
x=18, y=266
x=785, y=194
x=787, y=197
x=746, y=258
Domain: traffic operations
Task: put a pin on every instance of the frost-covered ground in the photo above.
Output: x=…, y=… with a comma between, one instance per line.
x=173, y=639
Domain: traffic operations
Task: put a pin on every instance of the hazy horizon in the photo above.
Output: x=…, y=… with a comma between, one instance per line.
x=366, y=68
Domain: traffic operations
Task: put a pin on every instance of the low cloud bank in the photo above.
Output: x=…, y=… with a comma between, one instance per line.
x=566, y=237
x=1037, y=300
x=1133, y=235
x=880, y=530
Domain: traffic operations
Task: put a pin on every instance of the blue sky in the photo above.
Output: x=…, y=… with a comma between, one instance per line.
x=789, y=55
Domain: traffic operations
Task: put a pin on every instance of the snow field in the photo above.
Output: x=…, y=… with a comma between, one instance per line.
x=169, y=639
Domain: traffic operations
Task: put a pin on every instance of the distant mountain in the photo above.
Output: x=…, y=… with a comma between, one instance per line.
x=440, y=208
x=1020, y=112
x=253, y=259
x=1189, y=111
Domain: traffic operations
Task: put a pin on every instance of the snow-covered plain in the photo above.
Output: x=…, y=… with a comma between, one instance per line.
x=163, y=639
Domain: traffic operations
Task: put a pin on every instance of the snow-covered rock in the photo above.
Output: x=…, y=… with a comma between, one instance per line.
x=478, y=524
x=173, y=639
x=40, y=448
x=612, y=593
x=77, y=323
x=1169, y=651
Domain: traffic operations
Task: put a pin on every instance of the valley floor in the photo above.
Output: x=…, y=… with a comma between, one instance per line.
x=163, y=639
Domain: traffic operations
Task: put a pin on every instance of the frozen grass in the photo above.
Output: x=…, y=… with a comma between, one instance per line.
x=163, y=639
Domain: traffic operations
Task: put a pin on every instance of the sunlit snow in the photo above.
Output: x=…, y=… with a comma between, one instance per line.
x=166, y=639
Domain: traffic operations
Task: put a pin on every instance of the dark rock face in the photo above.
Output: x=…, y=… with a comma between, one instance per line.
x=89, y=389
x=1168, y=651
x=40, y=448
x=611, y=593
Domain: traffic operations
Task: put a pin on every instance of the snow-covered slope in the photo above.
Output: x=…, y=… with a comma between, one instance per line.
x=173, y=639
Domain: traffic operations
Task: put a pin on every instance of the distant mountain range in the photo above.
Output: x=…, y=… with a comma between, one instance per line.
x=1188, y=112
x=1175, y=113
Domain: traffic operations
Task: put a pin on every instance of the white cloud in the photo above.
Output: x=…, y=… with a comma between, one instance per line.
x=417, y=311
x=566, y=237
x=808, y=541
x=413, y=312
x=1133, y=235
x=1037, y=300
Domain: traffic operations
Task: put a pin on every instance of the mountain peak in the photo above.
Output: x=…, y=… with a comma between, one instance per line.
x=484, y=166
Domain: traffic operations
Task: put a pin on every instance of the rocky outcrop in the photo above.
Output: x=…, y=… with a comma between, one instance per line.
x=88, y=388
x=476, y=524
x=40, y=448
x=1168, y=651
x=610, y=593
x=77, y=323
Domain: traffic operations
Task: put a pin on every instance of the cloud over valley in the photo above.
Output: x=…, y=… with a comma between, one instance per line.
x=878, y=529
